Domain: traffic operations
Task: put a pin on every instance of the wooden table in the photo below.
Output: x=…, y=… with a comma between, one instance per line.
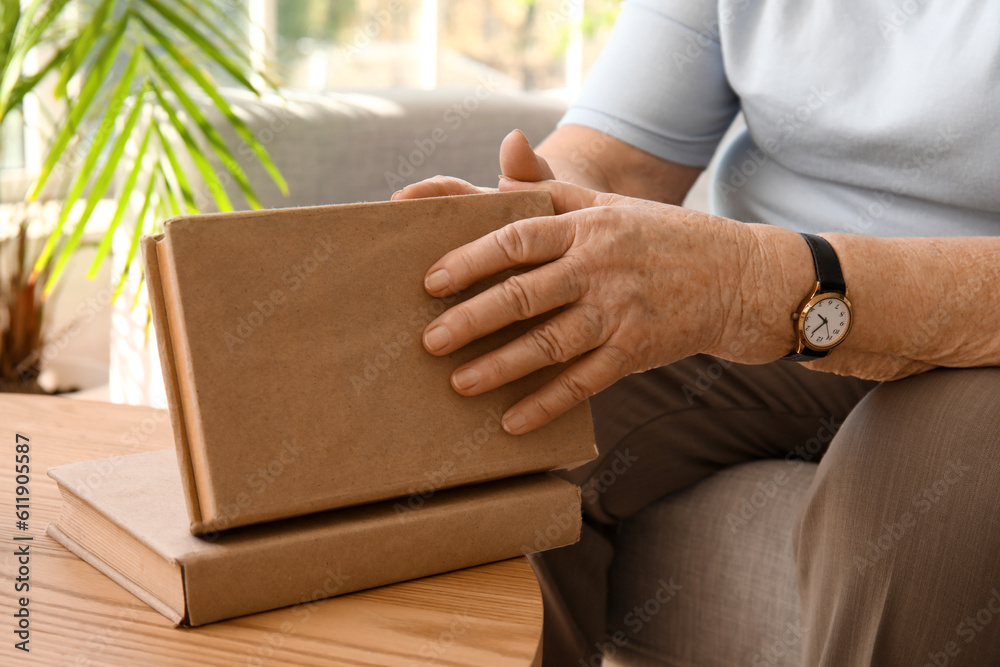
x=484, y=616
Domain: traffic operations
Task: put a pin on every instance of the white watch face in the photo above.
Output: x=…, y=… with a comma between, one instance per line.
x=826, y=322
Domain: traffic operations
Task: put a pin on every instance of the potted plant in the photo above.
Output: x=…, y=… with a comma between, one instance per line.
x=127, y=82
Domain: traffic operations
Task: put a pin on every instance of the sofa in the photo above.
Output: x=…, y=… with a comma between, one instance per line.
x=727, y=541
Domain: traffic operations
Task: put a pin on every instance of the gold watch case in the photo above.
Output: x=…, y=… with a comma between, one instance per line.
x=806, y=306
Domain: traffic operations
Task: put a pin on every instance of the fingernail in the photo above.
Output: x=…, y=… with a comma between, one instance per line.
x=394, y=194
x=514, y=423
x=437, y=281
x=436, y=338
x=465, y=378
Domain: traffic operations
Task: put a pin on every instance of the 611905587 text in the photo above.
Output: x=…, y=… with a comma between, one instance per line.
x=22, y=541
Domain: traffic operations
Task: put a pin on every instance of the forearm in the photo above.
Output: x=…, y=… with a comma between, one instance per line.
x=595, y=160
x=918, y=303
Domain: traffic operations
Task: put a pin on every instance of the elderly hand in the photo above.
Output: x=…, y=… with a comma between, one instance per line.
x=640, y=284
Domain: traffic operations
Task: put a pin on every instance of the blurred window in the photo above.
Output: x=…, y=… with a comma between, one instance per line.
x=515, y=44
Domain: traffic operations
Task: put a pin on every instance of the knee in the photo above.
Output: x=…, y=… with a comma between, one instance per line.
x=914, y=465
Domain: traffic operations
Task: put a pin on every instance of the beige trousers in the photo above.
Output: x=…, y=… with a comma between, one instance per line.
x=894, y=441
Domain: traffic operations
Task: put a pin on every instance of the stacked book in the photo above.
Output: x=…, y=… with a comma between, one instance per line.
x=319, y=449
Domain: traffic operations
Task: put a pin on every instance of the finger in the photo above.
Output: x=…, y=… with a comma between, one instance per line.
x=565, y=196
x=522, y=243
x=438, y=186
x=567, y=335
x=520, y=162
x=594, y=371
x=517, y=298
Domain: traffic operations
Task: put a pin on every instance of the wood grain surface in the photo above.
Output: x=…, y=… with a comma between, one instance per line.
x=485, y=616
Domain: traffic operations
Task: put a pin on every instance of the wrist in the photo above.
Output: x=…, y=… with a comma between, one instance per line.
x=776, y=274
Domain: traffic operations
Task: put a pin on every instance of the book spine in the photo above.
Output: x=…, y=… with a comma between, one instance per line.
x=385, y=544
x=161, y=291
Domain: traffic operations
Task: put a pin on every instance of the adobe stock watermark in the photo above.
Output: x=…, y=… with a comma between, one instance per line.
x=434, y=650
x=700, y=40
x=99, y=640
x=936, y=324
x=280, y=117
x=462, y=449
x=86, y=311
x=911, y=170
x=967, y=631
x=635, y=620
x=748, y=507
x=257, y=483
x=380, y=359
x=764, y=150
x=706, y=377
x=139, y=432
x=294, y=276
x=922, y=502
x=553, y=535
x=586, y=154
x=593, y=488
x=590, y=493
x=270, y=643
x=773, y=653
x=892, y=22
x=452, y=119
x=371, y=28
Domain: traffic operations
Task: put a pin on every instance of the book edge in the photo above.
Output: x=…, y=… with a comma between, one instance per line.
x=264, y=213
x=154, y=289
x=95, y=561
x=549, y=493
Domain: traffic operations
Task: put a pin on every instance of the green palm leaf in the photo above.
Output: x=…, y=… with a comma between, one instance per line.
x=96, y=192
x=25, y=32
x=169, y=44
x=187, y=194
x=83, y=45
x=82, y=104
x=201, y=162
x=166, y=192
x=136, y=233
x=124, y=198
x=221, y=104
x=204, y=44
x=215, y=140
x=104, y=132
x=8, y=24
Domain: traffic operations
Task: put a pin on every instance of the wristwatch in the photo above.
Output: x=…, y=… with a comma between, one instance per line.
x=824, y=318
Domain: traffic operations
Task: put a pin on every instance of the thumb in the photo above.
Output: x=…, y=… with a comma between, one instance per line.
x=566, y=197
x=520, y=162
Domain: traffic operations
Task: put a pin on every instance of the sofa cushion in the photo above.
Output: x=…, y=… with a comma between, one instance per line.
x=342, y=147
x=707, y=577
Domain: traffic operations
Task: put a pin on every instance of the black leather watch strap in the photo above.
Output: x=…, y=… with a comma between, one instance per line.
x=830, y=279
x=828, y=273
x=807, y=354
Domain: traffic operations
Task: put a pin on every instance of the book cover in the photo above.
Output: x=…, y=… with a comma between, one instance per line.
x=291, y=350
x=126, y=517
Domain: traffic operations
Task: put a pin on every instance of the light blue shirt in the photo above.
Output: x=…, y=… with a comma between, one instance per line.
x=876, y=117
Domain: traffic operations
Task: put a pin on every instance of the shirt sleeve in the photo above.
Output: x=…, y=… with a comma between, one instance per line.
x=659, y=84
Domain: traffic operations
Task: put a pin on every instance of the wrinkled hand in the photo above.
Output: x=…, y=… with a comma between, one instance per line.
x=643, y=284
x=517, y=161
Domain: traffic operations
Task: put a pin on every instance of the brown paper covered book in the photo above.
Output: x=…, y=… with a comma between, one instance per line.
x=297, y=382
x=126, y=517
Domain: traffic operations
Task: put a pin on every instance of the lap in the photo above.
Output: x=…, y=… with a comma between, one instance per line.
x=663, y=430
x=902, y=515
